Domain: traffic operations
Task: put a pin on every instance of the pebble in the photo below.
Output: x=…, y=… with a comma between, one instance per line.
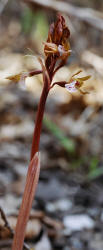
x=78, y=222
x=61, y=205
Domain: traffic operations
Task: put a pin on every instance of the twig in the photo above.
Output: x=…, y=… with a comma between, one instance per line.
x=7, y=225
x=2, y=5
x=93, y=17
x=3, y=216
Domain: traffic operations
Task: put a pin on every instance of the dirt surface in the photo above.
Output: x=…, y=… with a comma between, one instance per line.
x=67, y=213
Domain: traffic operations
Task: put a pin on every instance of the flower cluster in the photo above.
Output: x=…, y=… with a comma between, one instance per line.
x=57, y=46
x=56, y=51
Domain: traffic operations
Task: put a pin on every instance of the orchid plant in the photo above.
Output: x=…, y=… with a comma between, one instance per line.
x=56, y=52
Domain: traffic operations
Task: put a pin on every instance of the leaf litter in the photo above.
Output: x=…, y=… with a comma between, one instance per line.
x=63, y=179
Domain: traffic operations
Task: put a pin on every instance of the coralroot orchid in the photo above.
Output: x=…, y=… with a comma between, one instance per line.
x=56, y=50
x=75, y=84
x=57, y=46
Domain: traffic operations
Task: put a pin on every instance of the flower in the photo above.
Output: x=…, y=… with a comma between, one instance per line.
x=57, y=45
x=20, y=77
x=75, y=84
x=57, y=41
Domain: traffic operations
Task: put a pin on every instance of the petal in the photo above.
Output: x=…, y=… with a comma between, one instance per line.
x=71, y=87
x=50, y=45
x=62, y=51
x=50, y=33
x=15, y=78
x=58, y=29
x=83, y=91
x=77, y=73
x=85, y=78
x=19, y=77
x=50, y=48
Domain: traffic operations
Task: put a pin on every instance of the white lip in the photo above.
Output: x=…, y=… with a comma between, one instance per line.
x=71, y=87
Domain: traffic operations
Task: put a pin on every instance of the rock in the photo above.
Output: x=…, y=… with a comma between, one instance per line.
x=51, y=190
x=78, y=222
x=59, y=205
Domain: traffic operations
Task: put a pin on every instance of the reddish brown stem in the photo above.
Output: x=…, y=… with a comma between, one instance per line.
x=39, y=118
x=32, y=176
x=35, y=72
x=30, y=188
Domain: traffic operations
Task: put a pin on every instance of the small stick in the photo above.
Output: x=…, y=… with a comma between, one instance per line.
x=7, y=225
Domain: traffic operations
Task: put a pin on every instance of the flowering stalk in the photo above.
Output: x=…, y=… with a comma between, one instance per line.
x=32, y=175
x=56, y=50
x=29, y=192
x=38, y=124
